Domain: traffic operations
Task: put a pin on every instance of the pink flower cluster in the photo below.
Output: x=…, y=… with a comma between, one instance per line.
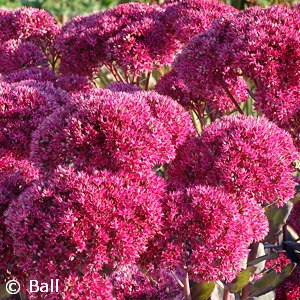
x=97, y=201
x=16, y=174
x=134, y=37
x=259, y=44
x=72, y=223
x=248, y=156
x=111, y=190
x=110, y=129
x=219, y=181
x=187, y=18
x=205, y=233
x=24, y=106
x=290, y=289
x=130, y=36
x=28, y=24
x=278, y=263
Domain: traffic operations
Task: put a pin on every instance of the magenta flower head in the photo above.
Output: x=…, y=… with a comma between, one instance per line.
x=141, y=41
x=74, y=223
x=290, y=289
x=28, y=24
x=204, y=233
x=205, y=81
x=190, y=17
x=24, y=106
x=80, y=43
x=251, y=156
x=16, y=55
x=130, y=36
x=73, y=83
x=31, y=73
x=260, y=44
x=16, y=174
x=130, y=282
x=105, y=129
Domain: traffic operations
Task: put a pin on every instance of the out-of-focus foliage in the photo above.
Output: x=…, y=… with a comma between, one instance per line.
x=63, y=10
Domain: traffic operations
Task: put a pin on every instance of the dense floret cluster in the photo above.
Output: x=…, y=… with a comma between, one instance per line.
x=188, y=18
x=106, y=129
x=204, y=224
x=73, y=221
x=24, y=106
x=150, y=152
x=260, y=44
x=290, y=289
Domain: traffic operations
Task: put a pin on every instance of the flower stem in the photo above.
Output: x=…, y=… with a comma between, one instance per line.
x=187, y=290
x=233, y=100
x=251, y=256
x=147, y=81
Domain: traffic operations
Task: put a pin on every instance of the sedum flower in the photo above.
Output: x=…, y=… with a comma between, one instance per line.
x=73, y=223
x=204, y=79
x=28, y=24
x=129, y=36
x=105, y=129
x=24, y=106
x=188, y=18
x=17, y=56
x=16, y=174
x=204, y=233
x=251, y=156
x=290, y=289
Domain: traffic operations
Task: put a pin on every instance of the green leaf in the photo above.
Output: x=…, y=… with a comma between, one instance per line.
x=3, y=293
x=270, y=281
x=202, y=291
x=242, y=280
x=262, y=258
x=277, y=217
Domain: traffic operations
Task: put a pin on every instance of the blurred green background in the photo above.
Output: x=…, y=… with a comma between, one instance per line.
x=63, y=10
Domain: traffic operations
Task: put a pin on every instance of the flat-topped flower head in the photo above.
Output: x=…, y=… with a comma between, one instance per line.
x=204, y=233
x=251, y=156
x=190, y=17
x=129, y=36
x=28, y=24
x=206, y=81
x=105, y=129
x=74, y=223
x=16, y=56
x=25, y=105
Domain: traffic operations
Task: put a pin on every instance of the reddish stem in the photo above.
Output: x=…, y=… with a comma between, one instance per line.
x=233, y=100
x=187, y=290
x=147, y=81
